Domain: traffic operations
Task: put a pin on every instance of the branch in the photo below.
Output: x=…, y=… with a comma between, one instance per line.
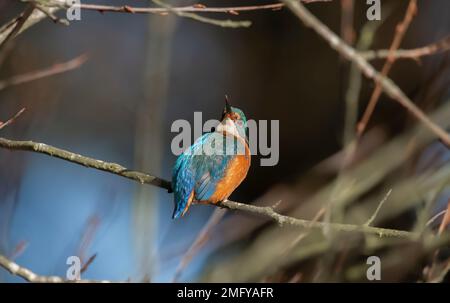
x=34, y=18
x=30, y=276
x=16, y=26
x=197, y=8
x=55, y=69
x=389, y=87
x=11, y=120
x=11, y=30
x=144, y=178
x=51, y=15
x=400, y=33
x=113, y=168
x=440, y=46
x=283, y=220
x=222, y=23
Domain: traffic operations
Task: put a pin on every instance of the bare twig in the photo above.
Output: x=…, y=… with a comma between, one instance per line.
x=350, y=54
x=347, y=30
x=55, y=69
x=440, y=46
x=221, y=23
x=303, y=235
x=11, y=120
x=17, y=25
x=30, y=276
x=11, y=30
x=446, y=220
x=372, y=218
x=145, y=178
x=85, y=161
x=51, y=15
x=185, y=9
x=88, y=262
x=435, y=217
x=19, y=249
x=400, y=32
x=34, y=18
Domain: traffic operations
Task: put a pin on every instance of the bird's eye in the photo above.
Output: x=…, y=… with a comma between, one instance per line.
x=213, y=129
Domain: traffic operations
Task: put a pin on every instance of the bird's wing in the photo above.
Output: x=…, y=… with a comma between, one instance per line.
x=183, y=185
x=199, y=170
x=211, y=166
x=193, y=170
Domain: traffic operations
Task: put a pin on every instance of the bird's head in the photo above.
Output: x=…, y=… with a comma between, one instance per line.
x=233, y=121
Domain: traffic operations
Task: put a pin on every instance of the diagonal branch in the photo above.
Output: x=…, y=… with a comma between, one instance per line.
x=145, y=178
x=11, y=30
x=388, y=86
x=399, y=34
x=55, y=69
x=440, y=46
x=11, y=120
x=16, y=26
x=34, y=18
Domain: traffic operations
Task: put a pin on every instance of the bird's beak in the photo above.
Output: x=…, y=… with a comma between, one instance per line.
x=227, y=105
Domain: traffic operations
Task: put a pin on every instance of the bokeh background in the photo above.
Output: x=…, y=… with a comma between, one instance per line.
x=145, y=71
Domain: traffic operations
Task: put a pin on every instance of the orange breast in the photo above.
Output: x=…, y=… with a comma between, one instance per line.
x=234, y=175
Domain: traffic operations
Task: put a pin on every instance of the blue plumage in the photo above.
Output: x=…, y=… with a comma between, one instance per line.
x=198, y=170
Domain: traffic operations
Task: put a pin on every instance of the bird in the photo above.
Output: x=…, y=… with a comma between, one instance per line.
x=209, y=170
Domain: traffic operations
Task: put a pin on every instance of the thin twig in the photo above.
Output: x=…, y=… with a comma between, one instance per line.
x=11, y=120
x=34, y=18
x=221, y=23
x=435, y=217
x=88, y=262
x=18, y=24
x=347, y=15
x=55, y=69
x=446, y=220
x=186, y=9
x=14, y=29
x=438, y=47
x=145, y=178
x=372, y=218
x=348, y=52
x=51, y=15
x=400, y=33
x=30, y=276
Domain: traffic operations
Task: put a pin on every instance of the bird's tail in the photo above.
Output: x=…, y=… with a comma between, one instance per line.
x=178, y=211
x=182, y=207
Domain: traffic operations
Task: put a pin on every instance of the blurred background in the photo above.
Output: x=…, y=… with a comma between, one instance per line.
x=143, y=72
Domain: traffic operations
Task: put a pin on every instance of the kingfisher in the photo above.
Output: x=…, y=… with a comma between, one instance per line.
x=212, y=168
